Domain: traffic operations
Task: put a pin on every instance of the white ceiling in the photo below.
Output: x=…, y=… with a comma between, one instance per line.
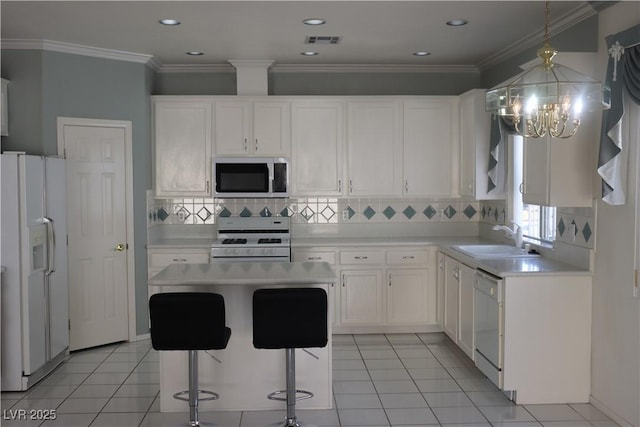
x=373, y=32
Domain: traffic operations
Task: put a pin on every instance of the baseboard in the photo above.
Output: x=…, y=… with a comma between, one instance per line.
x=142, y=337
x=609, y=412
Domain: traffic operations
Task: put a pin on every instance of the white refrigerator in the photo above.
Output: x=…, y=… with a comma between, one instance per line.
x=35, y=285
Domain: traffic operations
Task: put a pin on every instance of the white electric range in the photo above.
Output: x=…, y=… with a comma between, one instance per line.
x=253, y=239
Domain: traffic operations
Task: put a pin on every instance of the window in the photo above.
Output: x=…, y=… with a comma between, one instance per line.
x=537, y=222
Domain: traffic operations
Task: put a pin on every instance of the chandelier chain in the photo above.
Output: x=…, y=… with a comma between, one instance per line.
x=547, y=15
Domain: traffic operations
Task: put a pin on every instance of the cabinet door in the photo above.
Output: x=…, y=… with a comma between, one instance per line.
x=451, y=295
x=375, y=151
x=271, y=128
x=232, y=128
x=361, y=297
x=430, y=147
x=468, y=146
x=318, y=143
x=4, y=105
x=408, y=296
x=441, y=278
x=182, y=149
x=467, y=280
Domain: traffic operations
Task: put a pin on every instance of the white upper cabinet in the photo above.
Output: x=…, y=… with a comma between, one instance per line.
x=475, y=131
x=430, y=131
x=182, y=148
x=317, y=129
x=374, y=148
x=246, y=127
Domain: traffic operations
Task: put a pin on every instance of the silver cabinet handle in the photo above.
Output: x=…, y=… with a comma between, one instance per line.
x=339, y=186
x=312, y=258
x=350, y=186
x=408, y=257
x=389, y=279
x=362, y=257
x=256, y=147
x=343, y=280
x=406, y=185
x=245, y=144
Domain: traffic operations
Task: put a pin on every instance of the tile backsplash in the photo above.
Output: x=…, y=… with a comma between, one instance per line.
x=315, y=210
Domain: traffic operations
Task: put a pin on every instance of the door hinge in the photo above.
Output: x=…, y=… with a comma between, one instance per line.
x=69, y=321
x=67, y=240
x=635, y=283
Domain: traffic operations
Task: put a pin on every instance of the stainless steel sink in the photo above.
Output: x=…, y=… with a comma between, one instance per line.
x=493, y=251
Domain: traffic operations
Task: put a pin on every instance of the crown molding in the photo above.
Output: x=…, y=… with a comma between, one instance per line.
x=76, y=49
x=372, y=68
x=536, y=38
x=195, y=68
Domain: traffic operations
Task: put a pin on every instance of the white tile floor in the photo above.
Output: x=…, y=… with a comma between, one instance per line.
x=379, y=380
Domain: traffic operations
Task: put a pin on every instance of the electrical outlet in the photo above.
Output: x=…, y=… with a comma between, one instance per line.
x=345, y=214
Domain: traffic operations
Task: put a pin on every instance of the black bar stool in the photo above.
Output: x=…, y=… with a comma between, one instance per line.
x=290, y=318
x=189, y=321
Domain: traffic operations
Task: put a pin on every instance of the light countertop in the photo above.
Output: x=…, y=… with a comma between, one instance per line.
x=500, y=267
x=245, y=273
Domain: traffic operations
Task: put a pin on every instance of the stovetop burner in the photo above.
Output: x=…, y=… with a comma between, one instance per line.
x=269, y=240
x=234, y=241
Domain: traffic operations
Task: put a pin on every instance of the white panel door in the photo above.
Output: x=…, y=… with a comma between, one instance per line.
x=96, y=212
x=318, y=141
x=451, y=298
x=466, y=338
x=375, y=149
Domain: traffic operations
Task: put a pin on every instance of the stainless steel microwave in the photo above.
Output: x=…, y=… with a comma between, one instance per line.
x=251, y=177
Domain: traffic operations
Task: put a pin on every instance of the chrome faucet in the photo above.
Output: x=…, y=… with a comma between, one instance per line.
x=515, y=234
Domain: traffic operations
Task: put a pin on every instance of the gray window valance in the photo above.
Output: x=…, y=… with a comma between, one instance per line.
x=623, y=79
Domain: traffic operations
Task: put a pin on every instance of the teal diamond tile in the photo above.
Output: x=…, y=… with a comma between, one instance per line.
x=351, y=212
x=430, y=212
x=389, y=212
x=450, y=212
x=265, y=212
x=561, y=227
x=286, y=212
x=245, y=213
x=204, y=214
x=225, y=213
x=162, y=214
x=469, y=211
x=369, y=212
x=409, y=212
x=586, y=232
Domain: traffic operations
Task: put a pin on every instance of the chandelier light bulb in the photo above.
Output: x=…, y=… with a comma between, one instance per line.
x=532, y=105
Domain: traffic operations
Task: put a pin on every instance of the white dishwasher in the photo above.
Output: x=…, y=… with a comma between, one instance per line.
x=489, y=323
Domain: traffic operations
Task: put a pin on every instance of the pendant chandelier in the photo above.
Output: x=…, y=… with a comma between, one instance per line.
x=547, y=99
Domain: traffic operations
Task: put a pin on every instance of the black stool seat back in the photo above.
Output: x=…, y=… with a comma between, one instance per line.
x=289, y=318
x=188, y=321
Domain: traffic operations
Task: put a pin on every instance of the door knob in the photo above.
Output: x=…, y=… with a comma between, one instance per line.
x=120, y=247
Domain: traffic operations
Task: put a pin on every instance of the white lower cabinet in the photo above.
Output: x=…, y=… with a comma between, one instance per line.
x=381, y=290
x=361, y=294
x=466, y=289
x=160, y=258
x=458, y=280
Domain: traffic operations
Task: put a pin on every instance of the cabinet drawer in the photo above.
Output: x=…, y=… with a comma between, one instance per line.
x=329, y=257
x=162, y=259
x=407, y=257
x=362, y=257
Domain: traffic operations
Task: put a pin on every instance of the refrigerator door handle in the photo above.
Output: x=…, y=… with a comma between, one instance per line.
x=51, y=244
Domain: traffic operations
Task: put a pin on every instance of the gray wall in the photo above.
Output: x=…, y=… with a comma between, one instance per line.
x=45, y=85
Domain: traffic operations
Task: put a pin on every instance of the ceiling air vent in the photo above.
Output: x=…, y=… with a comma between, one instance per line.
x=322, y=39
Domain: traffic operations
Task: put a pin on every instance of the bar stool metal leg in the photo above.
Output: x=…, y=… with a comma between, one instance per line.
x=291, y=387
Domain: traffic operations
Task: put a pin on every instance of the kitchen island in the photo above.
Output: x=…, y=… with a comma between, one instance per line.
x=242, y=375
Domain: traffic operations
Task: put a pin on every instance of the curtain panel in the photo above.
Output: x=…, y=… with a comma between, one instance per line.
x=623, y=79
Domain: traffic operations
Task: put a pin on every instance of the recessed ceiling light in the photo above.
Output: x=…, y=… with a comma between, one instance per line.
x=195, y=53
x=457, y=22
x=309, y=53
x=314, y=21
x=169, y=22
x=421, y=53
